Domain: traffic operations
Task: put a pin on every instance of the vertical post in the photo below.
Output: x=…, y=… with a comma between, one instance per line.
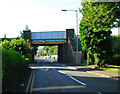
x=77, y=35
x=0, y=68
x=32, y=54
x=76, y=31
x=88, y=57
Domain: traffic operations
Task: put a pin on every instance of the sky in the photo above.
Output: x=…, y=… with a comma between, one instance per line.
x=39, y=15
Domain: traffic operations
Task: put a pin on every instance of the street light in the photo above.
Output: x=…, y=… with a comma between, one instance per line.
x=76, y=30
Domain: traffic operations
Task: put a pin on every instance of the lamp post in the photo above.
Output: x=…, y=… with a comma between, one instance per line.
x=76, y=30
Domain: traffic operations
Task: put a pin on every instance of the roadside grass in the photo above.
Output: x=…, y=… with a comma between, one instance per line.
x=111, y=68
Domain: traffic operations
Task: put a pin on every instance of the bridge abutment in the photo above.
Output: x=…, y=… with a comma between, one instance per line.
x=27, y=36
x=65, y=51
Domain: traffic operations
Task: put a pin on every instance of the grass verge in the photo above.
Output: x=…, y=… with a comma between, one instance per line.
x=111, y=68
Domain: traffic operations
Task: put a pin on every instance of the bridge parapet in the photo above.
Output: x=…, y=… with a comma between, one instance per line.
x=48, y=37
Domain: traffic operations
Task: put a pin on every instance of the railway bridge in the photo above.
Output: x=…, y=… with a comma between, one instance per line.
x=63, y=39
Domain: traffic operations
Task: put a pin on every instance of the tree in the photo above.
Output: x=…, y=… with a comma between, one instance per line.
x=19, y=45
x=55, y=50
x=98, y=18
x=46, y=48
x=52, y=50
x=4, y=35
x=41, y=52
x=5, y=44
x=101, y=15
x=26, y=29
x=35, y=50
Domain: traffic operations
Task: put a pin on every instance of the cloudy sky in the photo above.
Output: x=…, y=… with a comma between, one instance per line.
x=39, y=15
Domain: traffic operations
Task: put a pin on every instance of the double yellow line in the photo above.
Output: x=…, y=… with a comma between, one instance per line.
x=30, y=83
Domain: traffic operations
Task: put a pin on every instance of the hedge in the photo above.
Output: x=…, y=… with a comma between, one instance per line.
x=116, y=49
x=14, y=67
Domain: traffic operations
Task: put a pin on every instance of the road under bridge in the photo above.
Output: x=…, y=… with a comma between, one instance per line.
x=63, y=39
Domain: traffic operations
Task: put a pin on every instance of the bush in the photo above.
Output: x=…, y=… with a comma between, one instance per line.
x=19, y=45
x=116, y=49
x=15, y=58
x=84, y=63
x=116, y=60
x=14, y=68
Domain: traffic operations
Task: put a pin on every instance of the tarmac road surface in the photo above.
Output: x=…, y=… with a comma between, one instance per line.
x=51, y=76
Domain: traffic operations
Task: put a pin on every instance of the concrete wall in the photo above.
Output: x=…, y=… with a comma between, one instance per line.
x=66, y=53
x=27, y=34
x=72, y=59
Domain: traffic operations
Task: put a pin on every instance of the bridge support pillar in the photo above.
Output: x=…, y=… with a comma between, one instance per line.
x=32, y=54
x=27, y=35
x=61, y=52
x=65, y=51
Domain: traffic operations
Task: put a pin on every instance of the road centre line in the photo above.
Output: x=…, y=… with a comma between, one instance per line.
x=74, y=79
x=77, y=80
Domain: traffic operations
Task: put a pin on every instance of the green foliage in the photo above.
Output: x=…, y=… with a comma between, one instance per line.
x=27, y=27
x=52, y=50
x=19, y=45
x=4, y=35
x=41, y=53
x=14, y=68
x=116, y=44
x=116, y=50
x=15, y=58
x=35, y=50
x=5, y=44
x=46, y=48
x=75, y=44
x=101, y=15
x=98, y=19
x=84, y=63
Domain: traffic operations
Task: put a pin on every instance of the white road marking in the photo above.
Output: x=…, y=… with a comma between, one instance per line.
x=71, y=68
x=99, y=92
x=77, y=80
x=45, y=69
x=63, y=65
x=74, y=79
x=61, y=72
x=98, y=74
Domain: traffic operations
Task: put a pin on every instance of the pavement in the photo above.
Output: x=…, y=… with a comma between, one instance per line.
x=52, y=76
x=99, y=72
x=107, y=74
